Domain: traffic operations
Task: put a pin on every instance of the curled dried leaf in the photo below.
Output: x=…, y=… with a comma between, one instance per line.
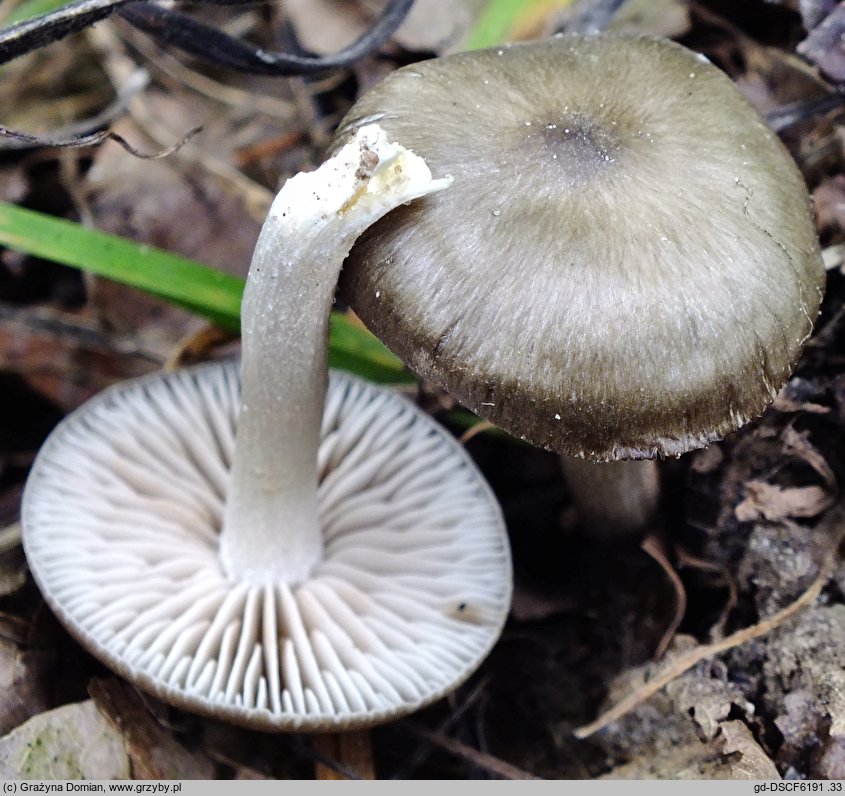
x=771, y=502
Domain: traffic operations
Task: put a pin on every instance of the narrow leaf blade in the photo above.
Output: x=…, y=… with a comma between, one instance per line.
x=196, y=287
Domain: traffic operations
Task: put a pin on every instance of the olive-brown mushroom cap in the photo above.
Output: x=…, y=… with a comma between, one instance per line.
x=625, y=265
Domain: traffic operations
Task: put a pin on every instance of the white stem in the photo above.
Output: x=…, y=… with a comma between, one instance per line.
x=270, y=525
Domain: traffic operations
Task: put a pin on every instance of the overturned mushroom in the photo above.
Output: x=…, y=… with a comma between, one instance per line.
x=626, y=264
x=232, y=545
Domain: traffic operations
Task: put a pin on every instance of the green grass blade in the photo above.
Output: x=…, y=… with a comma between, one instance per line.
x=494, y=23
x=356, y=350
x=501, y=18
x=196, y=287
x=203, y=290
x=31, y=8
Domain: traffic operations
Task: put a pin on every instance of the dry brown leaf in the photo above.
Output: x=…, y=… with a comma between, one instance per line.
x=800, y=395
x=746, y=759
x=785, y=403
x=12, y=572
x=771, y=502
x=162, y=204
x=70, y=742
x=823, y=46
x=22, y=685
x=64, y=359
x=12, y=562
x=706, y=695
x=798, y=444
x=669, y=18
x=327, y=26
x=829, y=203
x=153, y=750
x=438, y=25
x=772, y=77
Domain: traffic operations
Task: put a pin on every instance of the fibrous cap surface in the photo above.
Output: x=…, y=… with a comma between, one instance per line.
x=626, y=264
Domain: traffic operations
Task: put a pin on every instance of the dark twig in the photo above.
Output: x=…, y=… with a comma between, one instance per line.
x=70, y=142
x=303, y=748
x=418, y=757
x=31, y=34
x=215, y=47
x=185, y=33
x=351, y=750
x=90, y=139
x=486, y=762
x=74, y=134
x=161, y=153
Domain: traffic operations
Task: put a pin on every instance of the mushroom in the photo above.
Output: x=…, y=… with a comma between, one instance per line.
x=234, y=546
x=626, y=265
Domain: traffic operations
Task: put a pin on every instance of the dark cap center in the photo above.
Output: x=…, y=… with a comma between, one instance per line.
x=579, y=147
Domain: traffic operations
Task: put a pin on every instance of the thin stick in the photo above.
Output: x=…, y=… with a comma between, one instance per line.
x=345, y=754
x=213, y=46
x=196, y=346
x=486, y=762
x=418, y=757
x=478, y=428
x=689, y=659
